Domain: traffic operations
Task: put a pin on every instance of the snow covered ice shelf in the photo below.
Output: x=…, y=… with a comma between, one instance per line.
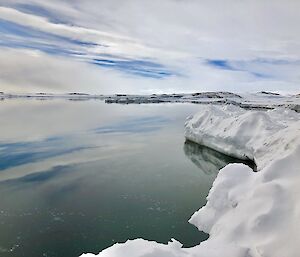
x=247, y=214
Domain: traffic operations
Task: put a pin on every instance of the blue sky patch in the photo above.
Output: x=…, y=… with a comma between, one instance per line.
x=38, y=10
x=221, y=64
x=137, y=67
x=236, y=65
x=23, y=34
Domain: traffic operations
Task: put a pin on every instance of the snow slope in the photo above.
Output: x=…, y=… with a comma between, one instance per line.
x=247, y=214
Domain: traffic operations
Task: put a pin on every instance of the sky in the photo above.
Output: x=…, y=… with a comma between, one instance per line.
x=149, y=46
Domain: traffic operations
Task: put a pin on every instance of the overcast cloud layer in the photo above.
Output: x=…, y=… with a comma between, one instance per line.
x=141, y=46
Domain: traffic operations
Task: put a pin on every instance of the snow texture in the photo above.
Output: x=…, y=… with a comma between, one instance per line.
x=247, y=214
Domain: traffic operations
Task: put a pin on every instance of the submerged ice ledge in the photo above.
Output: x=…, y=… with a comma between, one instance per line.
x=247, y=214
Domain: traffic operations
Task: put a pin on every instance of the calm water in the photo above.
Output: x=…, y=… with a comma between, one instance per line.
x=80, y=176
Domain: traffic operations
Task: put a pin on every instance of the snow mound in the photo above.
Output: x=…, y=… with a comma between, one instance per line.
x=247, y=214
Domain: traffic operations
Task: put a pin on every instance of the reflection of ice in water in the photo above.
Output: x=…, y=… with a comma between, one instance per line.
x=208, y=160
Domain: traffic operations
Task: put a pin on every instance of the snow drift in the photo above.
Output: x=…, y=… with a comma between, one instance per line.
x=247, y=214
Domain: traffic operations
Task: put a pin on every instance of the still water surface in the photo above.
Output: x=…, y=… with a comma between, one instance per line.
x=80, y=176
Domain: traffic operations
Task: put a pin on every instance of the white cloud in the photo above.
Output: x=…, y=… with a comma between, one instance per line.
x=178, y=34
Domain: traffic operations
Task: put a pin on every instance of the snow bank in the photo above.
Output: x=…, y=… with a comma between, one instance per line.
x=247, y=214
x=261, y=136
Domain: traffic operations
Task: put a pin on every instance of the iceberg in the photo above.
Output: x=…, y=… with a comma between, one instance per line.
x=248, y=214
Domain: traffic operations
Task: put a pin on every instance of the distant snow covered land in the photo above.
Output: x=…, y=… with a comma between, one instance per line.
x=260, y=100
x=247, y=213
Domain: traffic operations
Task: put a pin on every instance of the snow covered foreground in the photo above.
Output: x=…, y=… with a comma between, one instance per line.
x=247, y=214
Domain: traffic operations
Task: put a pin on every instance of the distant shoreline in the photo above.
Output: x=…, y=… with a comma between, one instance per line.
x=262, y=100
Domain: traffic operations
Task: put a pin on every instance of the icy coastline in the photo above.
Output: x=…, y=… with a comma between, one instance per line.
x=247, y=213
